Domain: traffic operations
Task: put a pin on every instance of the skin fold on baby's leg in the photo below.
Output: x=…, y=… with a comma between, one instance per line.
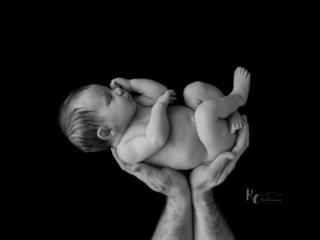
x=198, y=95
x=226, y=106
x=198, y=92
x=212, y=108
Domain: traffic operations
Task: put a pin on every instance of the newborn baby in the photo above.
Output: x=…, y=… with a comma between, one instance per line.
x=144, y=128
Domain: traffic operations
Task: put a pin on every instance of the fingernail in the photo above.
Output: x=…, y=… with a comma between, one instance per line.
x=230, y=157
x=137, y=169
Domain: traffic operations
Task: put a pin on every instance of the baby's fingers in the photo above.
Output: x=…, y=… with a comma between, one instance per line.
x=172, y=99
x=170, y=92
x=114, y=84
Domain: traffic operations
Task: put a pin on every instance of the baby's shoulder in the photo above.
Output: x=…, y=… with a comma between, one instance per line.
x=134, y=130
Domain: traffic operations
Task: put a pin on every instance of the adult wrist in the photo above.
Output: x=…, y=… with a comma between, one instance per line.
x=180, y=197
x=198, y=196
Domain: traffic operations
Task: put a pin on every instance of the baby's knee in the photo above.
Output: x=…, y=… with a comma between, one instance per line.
x=194, y=88
x=209, y=110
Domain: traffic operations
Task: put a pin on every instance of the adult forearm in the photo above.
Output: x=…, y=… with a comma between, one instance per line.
x=148, y=88
x=209, y=224
x=176, y=221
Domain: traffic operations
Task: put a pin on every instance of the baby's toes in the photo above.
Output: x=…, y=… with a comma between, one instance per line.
x=241, y=125
x=233, y=128
x=237, y=126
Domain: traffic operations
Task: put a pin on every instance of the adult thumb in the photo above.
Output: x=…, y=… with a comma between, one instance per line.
x=222, y=161
x=136, y=168
x=218, y=166
x=142, y=169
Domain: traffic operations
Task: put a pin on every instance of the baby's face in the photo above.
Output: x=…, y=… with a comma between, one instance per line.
x=116, y=106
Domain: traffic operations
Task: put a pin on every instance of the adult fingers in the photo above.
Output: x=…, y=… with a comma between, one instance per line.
x=142, y=169
x=230, y=165
x=155, y=178
x=247, y=126
x=151, y=176
x=218, y=165
x=151, y=185
x=241, y=145
x=242, y=139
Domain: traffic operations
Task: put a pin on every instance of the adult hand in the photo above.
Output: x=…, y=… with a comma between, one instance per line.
x=165, y=180
x=211, y=174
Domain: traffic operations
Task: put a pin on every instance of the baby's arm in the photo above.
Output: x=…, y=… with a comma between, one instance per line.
x=146, y=145
x=150, y=90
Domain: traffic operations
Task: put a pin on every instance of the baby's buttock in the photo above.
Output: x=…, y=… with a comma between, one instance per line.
x=184, y=149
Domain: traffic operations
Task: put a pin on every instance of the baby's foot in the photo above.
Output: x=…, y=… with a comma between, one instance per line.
x=241, y=84
x=236, y=122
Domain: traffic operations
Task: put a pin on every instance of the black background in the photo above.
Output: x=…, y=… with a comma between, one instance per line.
x=58, y=192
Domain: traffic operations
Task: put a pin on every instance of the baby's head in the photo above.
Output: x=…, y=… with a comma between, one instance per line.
x=94, y=118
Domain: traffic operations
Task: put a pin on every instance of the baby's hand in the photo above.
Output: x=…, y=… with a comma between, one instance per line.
x=167, y=97
x=122, y=83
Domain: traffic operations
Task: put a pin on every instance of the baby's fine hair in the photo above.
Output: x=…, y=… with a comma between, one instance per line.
x=80, y=125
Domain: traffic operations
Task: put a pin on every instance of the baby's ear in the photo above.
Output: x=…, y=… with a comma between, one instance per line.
x=106, y=133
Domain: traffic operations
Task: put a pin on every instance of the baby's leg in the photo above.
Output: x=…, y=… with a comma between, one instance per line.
x=198, y=92
x=212, y=107
x=224, y=106
x=241, y=86
x=212, y=130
